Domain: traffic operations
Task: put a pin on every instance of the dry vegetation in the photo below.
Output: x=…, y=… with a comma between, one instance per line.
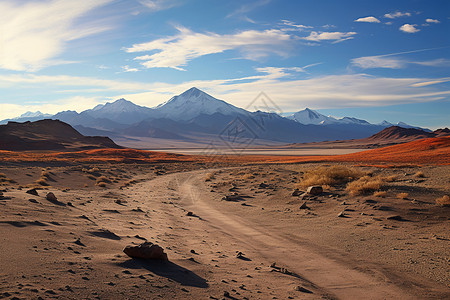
x=443, y=201
x=329, y=176
x=365, y=185
x=402, y=196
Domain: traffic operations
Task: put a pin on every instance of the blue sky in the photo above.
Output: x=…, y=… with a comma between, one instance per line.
x=377, y=60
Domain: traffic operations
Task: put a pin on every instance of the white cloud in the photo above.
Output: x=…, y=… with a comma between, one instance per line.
x=397, y=14
x=327, y=36
x=369, y=62
x=35, y=33
x=354, y=90
x=157, y=5
x=409, y=28
x=294, y=27
x=370, y=19
x=128, y=69
x=175, y=51
x=432, y=21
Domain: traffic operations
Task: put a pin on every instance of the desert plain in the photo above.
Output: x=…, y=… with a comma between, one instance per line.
x=239, y=227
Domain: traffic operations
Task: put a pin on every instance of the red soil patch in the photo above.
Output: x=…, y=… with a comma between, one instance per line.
x=426, y=151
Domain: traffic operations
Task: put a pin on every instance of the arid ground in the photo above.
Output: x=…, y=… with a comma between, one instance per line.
x=231, y=230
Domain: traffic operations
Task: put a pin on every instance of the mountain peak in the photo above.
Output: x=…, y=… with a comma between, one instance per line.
x=193, y=103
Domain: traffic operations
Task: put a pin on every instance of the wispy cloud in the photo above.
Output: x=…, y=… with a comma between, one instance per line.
x=329, y=36
x=244, y=9
x=157, y=5
x=354, y=90
x=409, y=28
x=390, y=61
x=370, y=19
x=291, y=26
x=397, y=14
x=175, y=51
x=35, y=33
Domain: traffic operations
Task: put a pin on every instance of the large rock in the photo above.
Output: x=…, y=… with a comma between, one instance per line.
x=32, y=192
x=146, y=250
x=314, y=190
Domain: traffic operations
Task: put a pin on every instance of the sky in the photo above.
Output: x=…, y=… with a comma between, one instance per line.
x=376, y=60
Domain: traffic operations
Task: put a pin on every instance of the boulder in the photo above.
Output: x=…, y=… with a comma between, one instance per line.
x=314, y=190
x=32, y=192
x=51, y=197
x=146, y=250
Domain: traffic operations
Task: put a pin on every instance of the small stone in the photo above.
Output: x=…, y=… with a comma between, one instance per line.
x=314, y=190
x=342, y=215
x=51, y=197
x=395, y=218
x=302, y=289
x=303, y=206
x=190, y=214
x=32, y=192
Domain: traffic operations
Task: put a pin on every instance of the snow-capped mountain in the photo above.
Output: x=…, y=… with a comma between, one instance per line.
x=30, y=114
x=312, y=117
x=121, y=111
x=193, y=103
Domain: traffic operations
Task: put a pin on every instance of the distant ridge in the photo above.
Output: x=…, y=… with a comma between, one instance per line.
x=396, y=132
x=48, y=135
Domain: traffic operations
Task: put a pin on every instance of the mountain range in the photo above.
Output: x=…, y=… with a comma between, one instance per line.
x=197, y=118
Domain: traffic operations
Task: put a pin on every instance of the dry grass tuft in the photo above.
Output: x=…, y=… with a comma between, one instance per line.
x=330, y=176
x=247, y=176
x=380, y=194
x=102, y=179
x=209, y=176
x=443, y=201
x=402, y=196
x=419, y=174
x=391, y=178
x=42, y=181
x=364, y=185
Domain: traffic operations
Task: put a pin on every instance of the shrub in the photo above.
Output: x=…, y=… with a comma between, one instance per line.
x=330, y=176
x=390, y=178
x=101, y=184
x=103, y=179
x=364, y=185
x=380, y=194
x=443, y=201
x=209, y=176
x=402, y=196
x=42, y=181
x=247, y=176
x=419, y=174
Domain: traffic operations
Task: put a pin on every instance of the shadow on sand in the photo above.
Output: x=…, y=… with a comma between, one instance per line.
x=167, y=269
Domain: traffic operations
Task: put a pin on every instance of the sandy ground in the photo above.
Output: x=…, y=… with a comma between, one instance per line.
x=262, y=151
x=72, y=249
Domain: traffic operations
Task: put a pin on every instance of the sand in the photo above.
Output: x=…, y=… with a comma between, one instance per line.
x=262, y=246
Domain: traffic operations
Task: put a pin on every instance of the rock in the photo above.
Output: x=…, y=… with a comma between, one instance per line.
x=232, y=197
x=190, y=214
x=303, y=206
x=395, y=218
x=51, y=197
x=296, y=192
x=302, y=289
x=262, y=185
x=314, y=190
x=342, y=215
x=146, y=250
x=32, y=192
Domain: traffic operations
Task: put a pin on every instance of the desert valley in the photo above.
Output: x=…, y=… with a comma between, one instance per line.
x=232, y=150
x=369, y=223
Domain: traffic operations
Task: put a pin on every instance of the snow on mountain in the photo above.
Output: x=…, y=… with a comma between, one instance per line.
x=120, y=111
x=30, y=114
x=311, y=117
x=193, y=103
